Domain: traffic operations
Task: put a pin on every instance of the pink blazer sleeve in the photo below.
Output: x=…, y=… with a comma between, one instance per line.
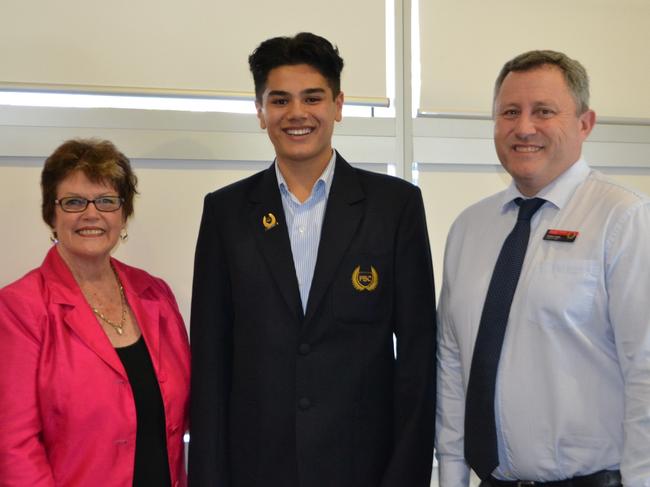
x=23, y=461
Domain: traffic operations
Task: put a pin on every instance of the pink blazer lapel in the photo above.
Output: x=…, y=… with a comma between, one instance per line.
x=75, y=312
x=81, y=320
x=146, y=311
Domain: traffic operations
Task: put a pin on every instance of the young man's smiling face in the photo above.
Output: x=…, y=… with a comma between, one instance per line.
x=298, y=110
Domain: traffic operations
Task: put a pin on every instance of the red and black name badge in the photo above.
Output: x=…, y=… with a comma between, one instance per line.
x=561, y=235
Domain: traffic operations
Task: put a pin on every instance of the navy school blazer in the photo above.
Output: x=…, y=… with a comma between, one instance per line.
x=316, y=399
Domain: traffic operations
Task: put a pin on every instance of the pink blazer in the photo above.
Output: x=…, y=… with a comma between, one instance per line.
x=67, y=414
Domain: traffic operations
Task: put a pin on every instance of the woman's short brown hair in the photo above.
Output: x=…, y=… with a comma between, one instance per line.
x=98, y=160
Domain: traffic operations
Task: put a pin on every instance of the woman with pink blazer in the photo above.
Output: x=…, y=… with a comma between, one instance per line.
x=95, y=380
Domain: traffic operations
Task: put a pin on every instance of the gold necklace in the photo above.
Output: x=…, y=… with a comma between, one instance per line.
x=118, y=327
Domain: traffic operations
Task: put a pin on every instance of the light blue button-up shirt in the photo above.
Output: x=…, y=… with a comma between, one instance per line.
x=573, y=385
x=304, y=223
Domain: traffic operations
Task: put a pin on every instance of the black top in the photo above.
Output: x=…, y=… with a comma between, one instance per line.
x=151, y=462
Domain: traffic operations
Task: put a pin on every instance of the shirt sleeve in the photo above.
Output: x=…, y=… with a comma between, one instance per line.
x=450, y=412
x=627, y=262
x=23, y=460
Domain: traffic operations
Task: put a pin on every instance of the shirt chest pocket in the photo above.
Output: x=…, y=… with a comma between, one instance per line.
x=561, y=293
x=361, y=289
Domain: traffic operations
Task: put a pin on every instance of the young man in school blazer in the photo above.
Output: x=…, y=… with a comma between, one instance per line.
x=303, y=274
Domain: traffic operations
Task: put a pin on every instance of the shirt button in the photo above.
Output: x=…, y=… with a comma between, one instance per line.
x=304, y=403
x=301, y=229
x=304, y=348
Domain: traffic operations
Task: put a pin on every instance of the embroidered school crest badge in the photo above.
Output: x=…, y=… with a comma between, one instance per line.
x=365, y=280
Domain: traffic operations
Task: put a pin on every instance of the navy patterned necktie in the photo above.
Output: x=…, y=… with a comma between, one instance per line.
x=481, y=451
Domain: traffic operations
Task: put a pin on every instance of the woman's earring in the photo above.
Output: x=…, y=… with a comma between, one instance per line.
x=54, y=238
x=124, y=235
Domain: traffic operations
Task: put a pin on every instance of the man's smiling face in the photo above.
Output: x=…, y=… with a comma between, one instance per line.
x=537, y=133
x=298, y=111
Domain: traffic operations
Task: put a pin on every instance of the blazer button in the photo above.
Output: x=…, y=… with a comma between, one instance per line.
x=304, y=348
x=304, y=403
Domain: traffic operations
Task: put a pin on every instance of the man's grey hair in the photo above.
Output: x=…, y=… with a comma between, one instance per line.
x=574, y=73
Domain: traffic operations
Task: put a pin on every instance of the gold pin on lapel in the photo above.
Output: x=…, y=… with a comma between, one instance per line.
x=269, y=221
x=365, y=280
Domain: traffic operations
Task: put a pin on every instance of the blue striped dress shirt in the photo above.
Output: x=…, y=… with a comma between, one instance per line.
x=304, y=223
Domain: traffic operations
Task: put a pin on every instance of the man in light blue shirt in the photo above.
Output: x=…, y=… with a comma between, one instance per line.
x=572, y=395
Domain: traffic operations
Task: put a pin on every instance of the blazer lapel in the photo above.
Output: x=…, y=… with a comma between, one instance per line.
x=269, y=226
x=342, y=217
x=76, y=312
x=84, y=324
x=146, y=311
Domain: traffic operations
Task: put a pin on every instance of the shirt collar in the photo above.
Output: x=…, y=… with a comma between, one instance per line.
x=324, y=180
x=558, y=192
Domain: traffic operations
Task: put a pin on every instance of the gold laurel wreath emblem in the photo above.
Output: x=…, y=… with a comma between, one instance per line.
x=363, y=281
x=269, y=221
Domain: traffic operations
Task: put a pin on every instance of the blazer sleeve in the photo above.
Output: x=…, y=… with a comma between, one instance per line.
x=415, y=330
x=211, y=345
x=23, y=460
x=181, y=344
